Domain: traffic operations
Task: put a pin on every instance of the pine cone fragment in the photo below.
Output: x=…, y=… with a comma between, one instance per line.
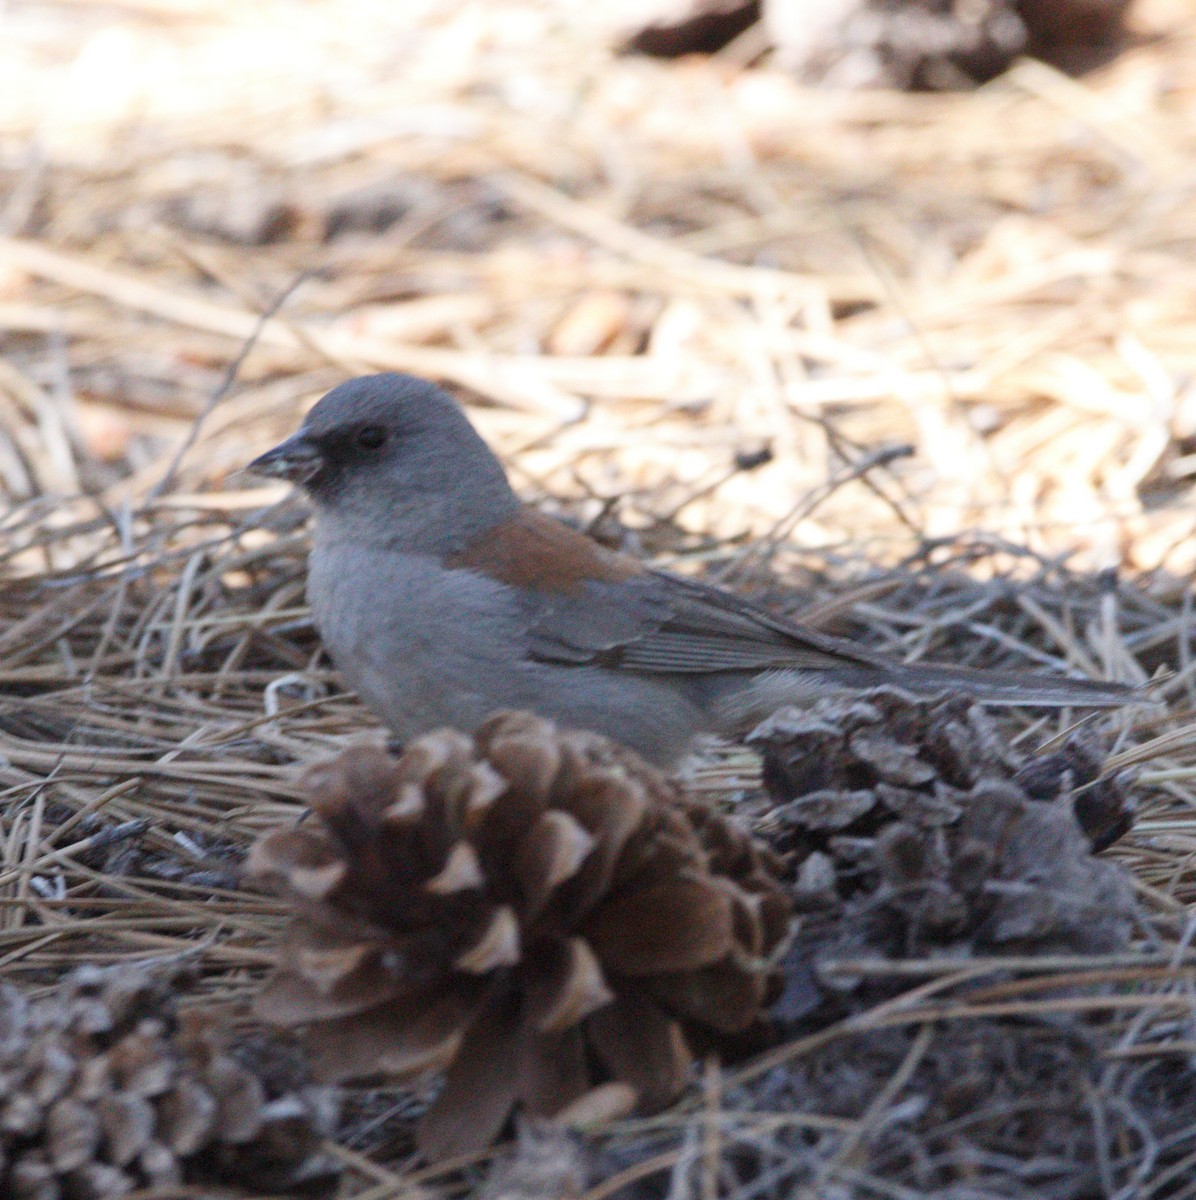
x=537, y=910
x=105, y=1090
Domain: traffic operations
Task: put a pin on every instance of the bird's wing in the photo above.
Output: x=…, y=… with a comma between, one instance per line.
x=585, y=604
x=663, y=623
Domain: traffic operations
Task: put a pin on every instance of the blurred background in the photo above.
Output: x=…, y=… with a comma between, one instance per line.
x=849, y=278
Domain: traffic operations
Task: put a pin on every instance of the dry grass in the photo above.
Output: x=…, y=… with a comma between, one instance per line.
x=960, y=324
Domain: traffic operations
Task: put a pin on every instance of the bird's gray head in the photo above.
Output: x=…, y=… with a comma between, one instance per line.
x=391, y=459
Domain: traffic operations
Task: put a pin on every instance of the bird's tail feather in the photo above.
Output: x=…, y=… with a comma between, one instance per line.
x=1009, y=688
x=738, y=707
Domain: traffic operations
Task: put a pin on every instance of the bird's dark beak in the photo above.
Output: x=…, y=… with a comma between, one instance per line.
x=297, y=459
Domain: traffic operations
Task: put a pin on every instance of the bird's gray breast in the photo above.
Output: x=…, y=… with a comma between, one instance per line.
x=423, y=646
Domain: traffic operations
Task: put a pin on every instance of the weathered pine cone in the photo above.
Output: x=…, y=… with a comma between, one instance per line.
x=104, y=1091
x=888, y=752
x=915, y=829
x=539, y=911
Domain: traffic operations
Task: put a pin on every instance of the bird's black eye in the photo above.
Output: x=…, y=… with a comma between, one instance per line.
x=370, y=437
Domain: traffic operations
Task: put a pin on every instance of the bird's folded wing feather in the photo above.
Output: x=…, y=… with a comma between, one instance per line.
x=663, y=623
x=584, y=604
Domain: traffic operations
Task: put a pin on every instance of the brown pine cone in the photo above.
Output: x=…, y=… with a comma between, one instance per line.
x=104, y=1090
x=540, y=911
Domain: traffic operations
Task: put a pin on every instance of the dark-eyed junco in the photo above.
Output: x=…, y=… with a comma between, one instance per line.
x=442, y=598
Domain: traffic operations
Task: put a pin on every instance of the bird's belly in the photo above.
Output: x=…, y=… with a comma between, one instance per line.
x=422, y=647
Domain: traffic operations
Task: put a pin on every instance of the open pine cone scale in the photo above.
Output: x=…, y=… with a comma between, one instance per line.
x=538, y=910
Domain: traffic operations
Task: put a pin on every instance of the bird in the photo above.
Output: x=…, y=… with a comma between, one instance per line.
x=441, y=598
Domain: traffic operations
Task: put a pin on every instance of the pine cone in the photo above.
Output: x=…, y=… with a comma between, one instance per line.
x=104, y=1090
x=539, y=911
x=915, y=829
x=887, y=752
